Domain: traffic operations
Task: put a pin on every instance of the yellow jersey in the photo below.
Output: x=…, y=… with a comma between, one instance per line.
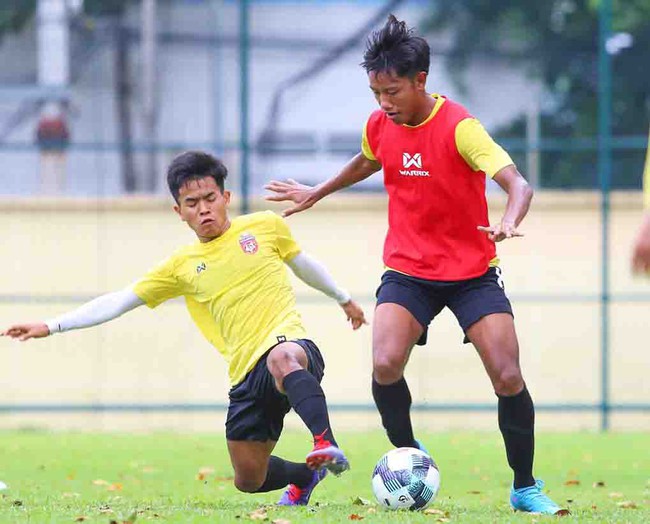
x=236, y=289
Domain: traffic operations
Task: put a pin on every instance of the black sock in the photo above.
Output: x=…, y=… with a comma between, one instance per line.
x=394, y=404
x=308, y=401
x=517, y=425
x=282, y=472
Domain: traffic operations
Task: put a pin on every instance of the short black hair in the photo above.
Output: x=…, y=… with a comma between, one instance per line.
x=396, y=49
x=193, y=165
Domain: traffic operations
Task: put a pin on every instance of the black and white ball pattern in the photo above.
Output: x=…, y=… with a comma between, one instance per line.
x=405, y=478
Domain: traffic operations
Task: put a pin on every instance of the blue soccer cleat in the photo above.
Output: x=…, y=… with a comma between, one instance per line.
x=295, y=496
x=531, y=500
x=327, y=455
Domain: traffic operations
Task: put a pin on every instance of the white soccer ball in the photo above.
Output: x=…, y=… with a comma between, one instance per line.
x=405, y=478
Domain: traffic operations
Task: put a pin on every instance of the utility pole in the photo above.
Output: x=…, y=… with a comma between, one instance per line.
x=52, y=132
x=149, y=56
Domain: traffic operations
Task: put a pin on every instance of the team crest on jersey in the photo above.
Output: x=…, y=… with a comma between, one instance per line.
x=248, y=244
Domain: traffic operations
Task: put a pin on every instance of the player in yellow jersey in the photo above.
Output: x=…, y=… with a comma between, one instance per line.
x=238, y=293
x=641, y=252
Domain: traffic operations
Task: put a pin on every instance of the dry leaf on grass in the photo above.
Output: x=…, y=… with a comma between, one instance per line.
x=354, y=516
x=572, y=482
x=80, y=518
x=435, y=511
x=599, y=484
x=204, y=471
x=280, y=521
x=258, y=514
x=116, y=486
x=627, y=504
x=130, y=520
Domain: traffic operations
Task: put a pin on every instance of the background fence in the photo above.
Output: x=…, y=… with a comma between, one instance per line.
x=274, y=87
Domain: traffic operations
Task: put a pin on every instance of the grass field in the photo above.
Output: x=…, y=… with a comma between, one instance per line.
x=162, y=477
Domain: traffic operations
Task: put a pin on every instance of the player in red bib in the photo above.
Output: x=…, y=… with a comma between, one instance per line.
x=440, y=249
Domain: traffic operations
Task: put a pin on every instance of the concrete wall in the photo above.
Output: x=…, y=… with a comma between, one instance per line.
x=54, y=251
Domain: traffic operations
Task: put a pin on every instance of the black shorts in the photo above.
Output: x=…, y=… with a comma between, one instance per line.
x=469, y=300
x=257, y=409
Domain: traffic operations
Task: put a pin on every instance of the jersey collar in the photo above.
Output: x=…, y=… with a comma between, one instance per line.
x=439, y=101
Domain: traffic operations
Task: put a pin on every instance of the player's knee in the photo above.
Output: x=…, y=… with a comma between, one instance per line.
x=247, y=484
x=387, y=368
x=283, y=360
x=508, y=381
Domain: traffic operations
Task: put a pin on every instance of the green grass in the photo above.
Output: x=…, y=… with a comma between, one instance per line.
x=62, y=477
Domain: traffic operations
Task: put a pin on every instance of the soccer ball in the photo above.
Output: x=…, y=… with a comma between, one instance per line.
x=405, y=478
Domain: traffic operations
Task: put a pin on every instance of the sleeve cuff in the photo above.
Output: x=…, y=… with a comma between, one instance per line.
x=343, y=297
x=53, y=325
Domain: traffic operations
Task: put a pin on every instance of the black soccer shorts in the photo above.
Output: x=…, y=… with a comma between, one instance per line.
x=257, y=409
x=469, y=300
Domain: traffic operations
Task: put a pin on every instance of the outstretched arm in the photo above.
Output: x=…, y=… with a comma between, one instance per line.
x=357, y=169
x=97, y=311
x=315, y=275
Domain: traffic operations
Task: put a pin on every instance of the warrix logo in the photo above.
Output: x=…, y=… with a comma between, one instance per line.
x=415, y=161
x=200, y=267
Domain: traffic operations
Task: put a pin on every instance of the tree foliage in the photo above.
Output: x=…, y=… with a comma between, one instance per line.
x=14, y=15
x=556, y=43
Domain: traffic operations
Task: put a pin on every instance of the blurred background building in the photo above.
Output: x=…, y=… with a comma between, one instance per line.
x=136, y=82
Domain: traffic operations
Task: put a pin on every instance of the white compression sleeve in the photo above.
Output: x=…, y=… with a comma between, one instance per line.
x=314, y=274
x=97, y=311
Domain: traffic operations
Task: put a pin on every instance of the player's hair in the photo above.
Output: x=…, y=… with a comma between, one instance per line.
x=396, y=49
x=193, y=165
